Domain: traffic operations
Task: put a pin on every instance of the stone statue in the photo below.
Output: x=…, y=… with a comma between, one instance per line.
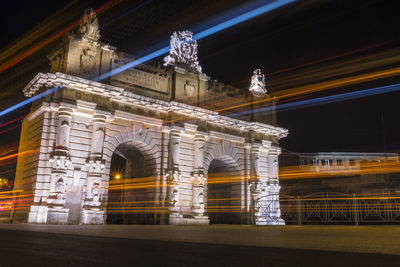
x=198, y=201
x=199, y=179
x=174, y=197
x=96, y=195
x=174, y=178
x=60, y=192
x=198, y=194
x=257, y=86
x=183, y=51
x=94, y=199
x=90, y=25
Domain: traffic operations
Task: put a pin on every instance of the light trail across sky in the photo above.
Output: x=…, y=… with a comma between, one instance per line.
x=324, y=100
x=35, y=48
x=28, y=101
x=318, y=87
x=204, y=33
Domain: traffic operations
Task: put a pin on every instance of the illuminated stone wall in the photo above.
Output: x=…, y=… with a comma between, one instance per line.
x=71, y=135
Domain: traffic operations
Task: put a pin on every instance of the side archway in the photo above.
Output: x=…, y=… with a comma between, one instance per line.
x=224, y=194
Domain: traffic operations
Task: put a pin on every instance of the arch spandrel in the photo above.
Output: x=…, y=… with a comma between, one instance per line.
x=218, y=148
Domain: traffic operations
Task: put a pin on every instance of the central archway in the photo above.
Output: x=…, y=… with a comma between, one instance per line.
x=132, y=190
x=224, y=191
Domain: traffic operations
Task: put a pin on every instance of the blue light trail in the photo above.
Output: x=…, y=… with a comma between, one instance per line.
x=29, y=100
x=207, y=32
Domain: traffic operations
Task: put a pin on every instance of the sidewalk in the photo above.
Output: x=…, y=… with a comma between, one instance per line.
x=363, y=239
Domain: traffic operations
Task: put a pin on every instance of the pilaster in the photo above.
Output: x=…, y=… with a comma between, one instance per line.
x=174, y=177
x=59, y=158
x=93, y=208
x=198, y=179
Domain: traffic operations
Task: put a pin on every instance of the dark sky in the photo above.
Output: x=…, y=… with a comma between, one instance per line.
x=292, y=36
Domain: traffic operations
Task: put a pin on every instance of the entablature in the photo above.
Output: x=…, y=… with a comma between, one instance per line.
x=50, y=80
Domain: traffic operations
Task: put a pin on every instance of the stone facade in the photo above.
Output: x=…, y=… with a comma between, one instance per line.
x=74, y=132
x=180, y=149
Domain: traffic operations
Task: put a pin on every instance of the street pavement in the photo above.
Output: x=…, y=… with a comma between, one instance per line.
x=216, y=245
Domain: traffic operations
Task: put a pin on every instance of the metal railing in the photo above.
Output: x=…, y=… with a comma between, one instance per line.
x=339, y=208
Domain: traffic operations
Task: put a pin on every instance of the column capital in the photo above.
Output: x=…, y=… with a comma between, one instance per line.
x=175, y=132
x=274, y=151
x=200, y=138
x=65, y=111
x=255, y=147
x=99, y=118
x=266, y=143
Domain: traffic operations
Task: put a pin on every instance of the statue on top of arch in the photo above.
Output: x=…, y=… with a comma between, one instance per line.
x=257, y=86
x=183, y=51
x=90, y=25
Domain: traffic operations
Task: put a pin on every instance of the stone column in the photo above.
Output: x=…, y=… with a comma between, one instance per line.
x=198, y=160
x=198, y=180
x=265, y=186
x=174, y=177
x=57, y=212
x=93, y=210
x=274, y=187
x=257, y=184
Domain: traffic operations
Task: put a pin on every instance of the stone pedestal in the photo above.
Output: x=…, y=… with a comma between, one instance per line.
x=38, y=214
x=190, y=221
x=57, y=215
x=92, y=216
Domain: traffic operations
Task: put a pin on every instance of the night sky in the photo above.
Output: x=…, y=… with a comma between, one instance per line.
x=283, y=43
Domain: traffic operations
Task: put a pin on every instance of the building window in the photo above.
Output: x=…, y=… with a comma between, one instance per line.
x=315, y=162
x=339, y=162
x=352, y=162
x=302, y=162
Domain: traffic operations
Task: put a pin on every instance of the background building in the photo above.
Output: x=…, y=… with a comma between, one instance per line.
x=340, y=172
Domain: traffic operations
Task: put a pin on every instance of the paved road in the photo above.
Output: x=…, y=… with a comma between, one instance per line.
x=110, y=245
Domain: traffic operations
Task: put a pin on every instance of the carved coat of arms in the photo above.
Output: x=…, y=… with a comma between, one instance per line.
x=183, y=51
x=87, y=60
x=189, y=89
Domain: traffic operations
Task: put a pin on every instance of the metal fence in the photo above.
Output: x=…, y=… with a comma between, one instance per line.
x=7, y=202
x=339, y=208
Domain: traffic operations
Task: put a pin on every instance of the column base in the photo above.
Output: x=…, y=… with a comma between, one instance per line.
x=38, y=214
x=92, y=216
x=196, y=220
x=269, y=221
x=57, y=215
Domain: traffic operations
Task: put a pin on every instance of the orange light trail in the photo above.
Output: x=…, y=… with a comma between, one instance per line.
x=27, y=53
x=322, y=86
x=16, y=155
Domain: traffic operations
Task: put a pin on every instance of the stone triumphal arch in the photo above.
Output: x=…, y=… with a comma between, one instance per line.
x=193, y=165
